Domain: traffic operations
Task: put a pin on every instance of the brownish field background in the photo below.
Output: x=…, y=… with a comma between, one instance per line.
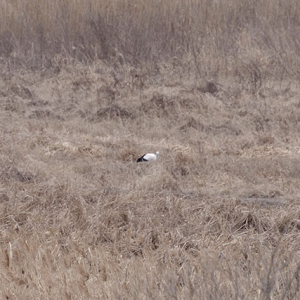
x=87, y=87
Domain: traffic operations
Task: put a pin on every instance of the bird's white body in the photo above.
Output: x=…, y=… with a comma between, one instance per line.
x=149, y=157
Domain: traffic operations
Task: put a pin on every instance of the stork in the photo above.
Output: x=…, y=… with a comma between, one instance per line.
x=148, y=157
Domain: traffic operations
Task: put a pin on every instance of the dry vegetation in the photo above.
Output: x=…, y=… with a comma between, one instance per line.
x=86, y=89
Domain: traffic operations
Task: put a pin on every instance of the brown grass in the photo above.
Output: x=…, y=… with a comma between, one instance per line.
x=214, y=90
x=252, y=39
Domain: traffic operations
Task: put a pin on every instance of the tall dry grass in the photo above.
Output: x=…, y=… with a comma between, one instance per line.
x=212, y=38
x=85, y=89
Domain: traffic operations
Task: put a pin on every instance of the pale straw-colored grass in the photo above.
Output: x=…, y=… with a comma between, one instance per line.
x=87, y=88
x=81, y=219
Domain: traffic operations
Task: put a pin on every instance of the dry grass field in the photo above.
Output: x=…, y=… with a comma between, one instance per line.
x=85, y=91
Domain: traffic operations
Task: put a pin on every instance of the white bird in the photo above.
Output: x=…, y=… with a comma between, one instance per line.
x=148, y=157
